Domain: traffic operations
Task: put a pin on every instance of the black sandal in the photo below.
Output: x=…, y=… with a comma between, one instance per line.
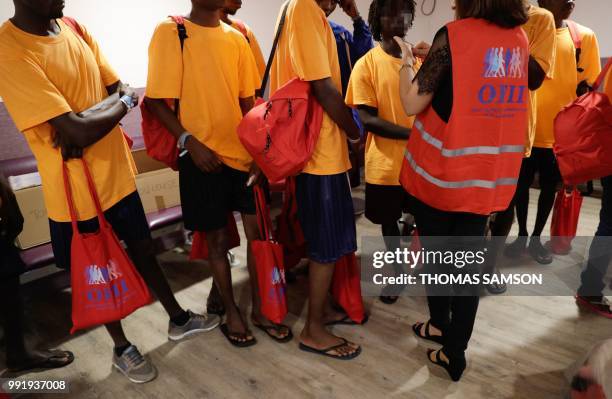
x=239, y=340
x=278, y=329
x=416, y=328
x=53, y=360
x=388, y=299
x=347, y=321
x=454, y=368
x=325, y=352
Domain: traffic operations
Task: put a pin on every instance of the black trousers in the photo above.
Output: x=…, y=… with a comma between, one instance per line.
x=454, y=314
x=600, y=253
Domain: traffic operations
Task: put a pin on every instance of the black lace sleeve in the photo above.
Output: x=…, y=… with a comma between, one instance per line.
x=435, y=75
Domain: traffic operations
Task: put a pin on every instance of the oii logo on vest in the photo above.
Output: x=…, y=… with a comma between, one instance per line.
x=500, y=63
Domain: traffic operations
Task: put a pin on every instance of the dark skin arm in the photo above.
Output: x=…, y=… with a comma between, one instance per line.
x=332, y=102
x=202, y=156
x=536, y=74
x=76, y=131
x=379, y=126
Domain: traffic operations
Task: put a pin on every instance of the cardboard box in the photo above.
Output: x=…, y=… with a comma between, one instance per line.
x=157, y=185
x=144, y=163
x=36, y=223
x=159, y=189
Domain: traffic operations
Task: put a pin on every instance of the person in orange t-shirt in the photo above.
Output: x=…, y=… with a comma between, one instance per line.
x=371, y=90
x=231, y=8
x=214, y=77
x=67, y=100
x=307, y=50
x=569, y=77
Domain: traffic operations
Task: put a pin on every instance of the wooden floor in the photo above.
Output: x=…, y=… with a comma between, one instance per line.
x=520, y=348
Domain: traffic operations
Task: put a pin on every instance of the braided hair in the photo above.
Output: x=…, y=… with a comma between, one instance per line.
x=376, y=10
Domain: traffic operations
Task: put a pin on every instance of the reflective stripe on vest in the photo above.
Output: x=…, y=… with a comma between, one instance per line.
x=475, y=183
x=481, y=150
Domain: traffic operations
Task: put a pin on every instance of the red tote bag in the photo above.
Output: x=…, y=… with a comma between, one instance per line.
x=564, y=223
x=346, y=287
x=288, y=230
x=268, y=257
x=199, y=246
x=105, y=284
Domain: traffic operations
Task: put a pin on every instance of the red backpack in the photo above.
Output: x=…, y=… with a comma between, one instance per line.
x=281, y=133
x=160, y=143
x=583, y=136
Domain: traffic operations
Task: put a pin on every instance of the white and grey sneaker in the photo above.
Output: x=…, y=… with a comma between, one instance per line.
x=134, y=366
x=197, y=323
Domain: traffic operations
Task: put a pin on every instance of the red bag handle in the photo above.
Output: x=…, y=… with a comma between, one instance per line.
x=602, y=75
x=263, y=215
x=92, y=191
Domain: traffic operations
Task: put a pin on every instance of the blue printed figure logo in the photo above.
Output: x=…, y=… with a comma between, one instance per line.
x=500, y=64
x=517, y=64
x=102, y=275
x=277, y=276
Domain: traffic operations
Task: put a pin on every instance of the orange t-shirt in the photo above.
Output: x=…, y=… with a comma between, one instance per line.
x=307, y=50
x=215, y=70
x=43, y=77
x=373, y=83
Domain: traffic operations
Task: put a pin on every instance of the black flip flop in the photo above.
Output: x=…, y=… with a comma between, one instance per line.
x=454, y=371
x=54, y=360
x=232, y=338
x=496, y=289
x=416, y=329
x=276, y=328
x=347, y=321
x=325, y=352
x=389, y=299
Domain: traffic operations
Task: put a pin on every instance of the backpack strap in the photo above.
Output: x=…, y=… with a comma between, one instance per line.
x=602, y=75
x=74, y=26
x=238, y=24
x=182, y=35
x=279, y=30
x=577, y=39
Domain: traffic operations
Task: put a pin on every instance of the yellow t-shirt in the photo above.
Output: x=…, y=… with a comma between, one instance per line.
x=374, y=82
x=540, y=30
x=590, y=59
x=45, y=77
x=215, y=70
x=255, y=48
x=557, y=92
x=307, y=50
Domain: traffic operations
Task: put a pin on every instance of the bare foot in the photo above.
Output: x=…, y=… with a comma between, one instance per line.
x=279, y=331
x=236, y=326
x=319, y=338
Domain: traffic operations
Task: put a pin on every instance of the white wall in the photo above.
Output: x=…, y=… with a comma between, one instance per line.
x=124, y=27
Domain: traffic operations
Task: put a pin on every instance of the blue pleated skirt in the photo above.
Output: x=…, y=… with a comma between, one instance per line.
x=325, y=211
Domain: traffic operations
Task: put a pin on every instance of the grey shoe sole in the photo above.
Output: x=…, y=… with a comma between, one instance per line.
x=187, y=334
x=134, y=380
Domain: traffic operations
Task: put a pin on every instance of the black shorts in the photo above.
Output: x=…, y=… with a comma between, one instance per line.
x=544, y=162
x=126, y=217
x=207, y=198
x=384, y=204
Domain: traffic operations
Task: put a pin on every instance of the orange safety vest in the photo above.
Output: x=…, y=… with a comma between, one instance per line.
x=472, y=163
